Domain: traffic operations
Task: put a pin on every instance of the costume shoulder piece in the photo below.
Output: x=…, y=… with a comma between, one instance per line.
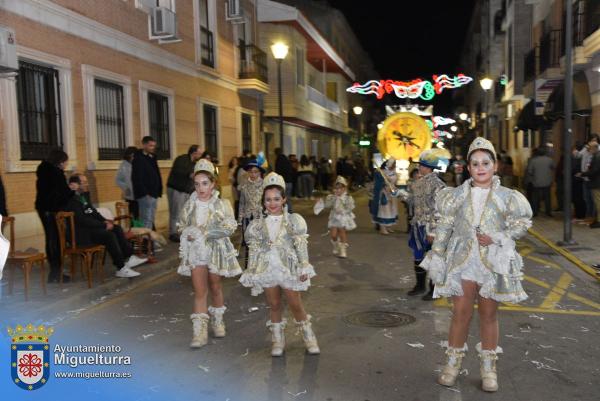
x=448, y=199
x=296, y=224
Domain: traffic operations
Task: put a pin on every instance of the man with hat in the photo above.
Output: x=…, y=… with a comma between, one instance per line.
x=422, y=224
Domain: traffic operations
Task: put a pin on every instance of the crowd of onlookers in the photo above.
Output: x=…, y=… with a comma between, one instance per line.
x=141, y=184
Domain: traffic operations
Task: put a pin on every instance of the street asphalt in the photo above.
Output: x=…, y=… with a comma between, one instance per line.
x=550, y=342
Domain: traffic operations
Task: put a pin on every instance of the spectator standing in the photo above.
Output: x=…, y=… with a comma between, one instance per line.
x=3, y=210
x=593, y=174
x=541, y=171
x=586, y=158
x=123, y=181
x=52, y=196
x=324, y=173
x=180, y=185
x=147, y=182
x=305, y=178
x=577, y=184
x=284, y=168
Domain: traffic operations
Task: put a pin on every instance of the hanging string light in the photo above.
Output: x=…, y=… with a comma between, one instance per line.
x=417, y=88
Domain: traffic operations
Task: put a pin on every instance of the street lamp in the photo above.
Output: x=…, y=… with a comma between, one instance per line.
x=357, y=110
x=463, y=116
x=280, y=51
x=486, y=84
x=454, y=128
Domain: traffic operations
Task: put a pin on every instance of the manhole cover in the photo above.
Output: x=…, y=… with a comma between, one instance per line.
x=379, y=319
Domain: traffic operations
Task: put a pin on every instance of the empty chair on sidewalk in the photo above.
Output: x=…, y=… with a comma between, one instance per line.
x=65, y=221
x=26, y=260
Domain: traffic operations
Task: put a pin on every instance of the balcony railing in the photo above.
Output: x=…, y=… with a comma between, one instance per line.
x=317, y=97
x=531, y=60
x=550, y=50
x=591, y=16
x=253, y=63
x=207, y=53
x=579, y=24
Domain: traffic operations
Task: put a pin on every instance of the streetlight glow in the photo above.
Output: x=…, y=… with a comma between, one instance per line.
x=379, y=126
x=454, y=128
x=463, y=116
x=486, y=83
x=357, y=110
x=279, y=50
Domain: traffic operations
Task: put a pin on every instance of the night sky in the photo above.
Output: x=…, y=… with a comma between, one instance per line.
x=409, y=39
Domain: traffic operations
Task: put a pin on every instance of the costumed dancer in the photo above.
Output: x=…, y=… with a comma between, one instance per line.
x=421, y=198
x=250, y=199
x=207, y=254
x=341, y=218
x=278, y=262
x=383, y=206
x=474, y=257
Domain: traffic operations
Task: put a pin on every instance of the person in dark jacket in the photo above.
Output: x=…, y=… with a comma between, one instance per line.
x=180, y=185
x=146, y=180
x=284, y=168
x=93, y=229
x=52, y=196
x=3, y=210
x=593, y=173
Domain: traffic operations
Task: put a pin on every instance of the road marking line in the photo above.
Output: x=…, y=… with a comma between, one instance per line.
x=557, y=292
x=584, y=300
x=544, y=262
x=555, y=311
x=537, y=282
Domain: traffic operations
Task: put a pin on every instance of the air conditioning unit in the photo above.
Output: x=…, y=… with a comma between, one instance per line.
x=163, y=23
x=234, y=12
x=8, y=51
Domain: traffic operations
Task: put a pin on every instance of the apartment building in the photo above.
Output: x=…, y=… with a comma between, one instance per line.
x=97, y=76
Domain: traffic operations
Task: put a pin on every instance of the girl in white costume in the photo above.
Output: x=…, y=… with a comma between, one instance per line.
x=474, y=257
x=278, y=262
x=341, y=217
x=207, y=254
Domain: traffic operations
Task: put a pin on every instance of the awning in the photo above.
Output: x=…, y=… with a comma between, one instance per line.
x=528, y=119
x=582, y=104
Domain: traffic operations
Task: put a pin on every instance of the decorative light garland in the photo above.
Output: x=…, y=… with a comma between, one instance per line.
x=439, y=120
x=417, y=88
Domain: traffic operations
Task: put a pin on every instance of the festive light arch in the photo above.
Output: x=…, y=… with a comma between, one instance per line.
x=417, y=88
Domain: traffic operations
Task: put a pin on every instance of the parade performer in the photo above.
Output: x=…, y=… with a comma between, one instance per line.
x=278, y=262
x=250, y=199
x=474, y=257
x=341, y=218
x=383, y=205
x=421, y=198
x=207, y=254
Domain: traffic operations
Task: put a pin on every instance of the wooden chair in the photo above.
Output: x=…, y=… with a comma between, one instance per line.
x=68, y=247
x=26, y=260
x=141, y=243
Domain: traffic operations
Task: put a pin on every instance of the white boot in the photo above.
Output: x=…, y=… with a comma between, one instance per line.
x=200, y=327
x=277, y=337
x=310, y=340
x=216, y=320
x=336, y=246
x=489, y=377
x=453, y=363
x=343, y=248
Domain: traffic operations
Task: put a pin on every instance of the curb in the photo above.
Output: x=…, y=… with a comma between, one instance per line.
x=101, y=293
x=566, y=254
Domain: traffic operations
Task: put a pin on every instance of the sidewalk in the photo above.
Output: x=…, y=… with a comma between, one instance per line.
x=72, y=298
x=586, y=251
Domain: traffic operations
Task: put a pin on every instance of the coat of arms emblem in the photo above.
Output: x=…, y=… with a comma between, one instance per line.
x=30, y=355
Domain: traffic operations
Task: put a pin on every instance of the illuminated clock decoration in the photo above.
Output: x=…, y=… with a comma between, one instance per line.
x=404, y=136
x=417, y=88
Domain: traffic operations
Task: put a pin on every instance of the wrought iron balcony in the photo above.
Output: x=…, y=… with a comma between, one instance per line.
x=531, y=60
x=253, y=63
x=550, y=50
